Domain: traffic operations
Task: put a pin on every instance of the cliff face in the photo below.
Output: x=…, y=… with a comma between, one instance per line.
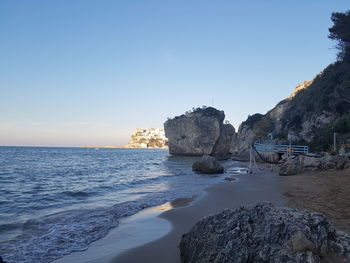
x=200, y=132
x=313, y=107
x=148, y=138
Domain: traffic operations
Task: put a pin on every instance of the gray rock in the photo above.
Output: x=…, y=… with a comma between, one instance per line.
x=208, y=165
x=198, y=133
x=222, y=147
x=291, y=167
x=300, y=243
x=334, y=162
x=264, y=233
x=312, y=163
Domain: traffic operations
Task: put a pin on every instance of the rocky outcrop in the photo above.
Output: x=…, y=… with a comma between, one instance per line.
x=296, y=165
x=223, y=145
x=208, y=165
x=308, y=115
x=264, y=233
x=200, y=132
x=153, y=138
x=334, y=162
x=311, y=163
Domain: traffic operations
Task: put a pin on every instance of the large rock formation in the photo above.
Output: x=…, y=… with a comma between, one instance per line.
x=153, y=138
x=200, y=132
x=265, y=234
x=310, y=115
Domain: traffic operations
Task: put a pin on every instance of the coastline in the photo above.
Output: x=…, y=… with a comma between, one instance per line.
x=247, y=190
x=122, y=147
x=141, y=237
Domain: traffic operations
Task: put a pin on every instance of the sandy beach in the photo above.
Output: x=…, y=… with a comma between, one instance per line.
x=153, y=235
x=326, y=192
x=247, y=190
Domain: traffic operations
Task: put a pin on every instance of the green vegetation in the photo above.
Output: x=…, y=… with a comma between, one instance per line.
x=204, y=110
x=323, y=140
x=261, y=124
x=340, y=31
x=342, y=125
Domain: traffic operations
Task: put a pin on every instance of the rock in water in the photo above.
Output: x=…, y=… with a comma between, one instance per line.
x=208, y=165
x=198, y=133
x=265, y=234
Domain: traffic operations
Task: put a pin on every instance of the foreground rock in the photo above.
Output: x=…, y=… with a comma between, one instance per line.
x=208, y=165
x=265, y=234
x=198, y=133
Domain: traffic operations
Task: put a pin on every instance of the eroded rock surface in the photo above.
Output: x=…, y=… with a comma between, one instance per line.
x=264, y=233
x=222, y=147
x=198, y=133
x=311, y=114
x=313, y=162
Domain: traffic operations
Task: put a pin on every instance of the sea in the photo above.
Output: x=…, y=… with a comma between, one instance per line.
x=55, y=201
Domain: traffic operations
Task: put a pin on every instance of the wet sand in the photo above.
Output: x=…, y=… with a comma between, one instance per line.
x=153, y=235
x=135, y=230
x=247, y=190
x=326, y=192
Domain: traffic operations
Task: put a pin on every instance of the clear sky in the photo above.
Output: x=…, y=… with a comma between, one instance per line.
x=76, y=73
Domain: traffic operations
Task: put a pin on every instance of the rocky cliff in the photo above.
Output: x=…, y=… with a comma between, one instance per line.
x=200, y=132
x=309, y=116
x=148, y=138
x=316, y=109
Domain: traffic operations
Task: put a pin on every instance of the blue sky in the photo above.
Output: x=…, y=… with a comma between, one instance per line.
x=76, y=73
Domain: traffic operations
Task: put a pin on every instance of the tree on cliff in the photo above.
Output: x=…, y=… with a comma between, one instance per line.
x=340, y=31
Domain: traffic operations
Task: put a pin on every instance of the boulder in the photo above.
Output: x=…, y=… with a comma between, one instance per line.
x=208, y=165
x=334, y=162
x=312, y=163
x=264, y=233
x=198, y=133
x=291, y=167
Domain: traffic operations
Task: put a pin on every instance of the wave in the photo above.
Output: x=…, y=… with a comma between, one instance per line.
x=51, y=237
x=76, y=194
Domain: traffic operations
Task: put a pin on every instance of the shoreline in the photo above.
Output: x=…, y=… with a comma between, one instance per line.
x=247, y=190
x=153, y=234
x=121, y=147
x=164, y=224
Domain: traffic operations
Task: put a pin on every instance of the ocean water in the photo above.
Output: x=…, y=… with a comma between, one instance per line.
x=55, y=201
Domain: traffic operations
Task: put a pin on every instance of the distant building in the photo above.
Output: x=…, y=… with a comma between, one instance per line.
x=152, y=138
